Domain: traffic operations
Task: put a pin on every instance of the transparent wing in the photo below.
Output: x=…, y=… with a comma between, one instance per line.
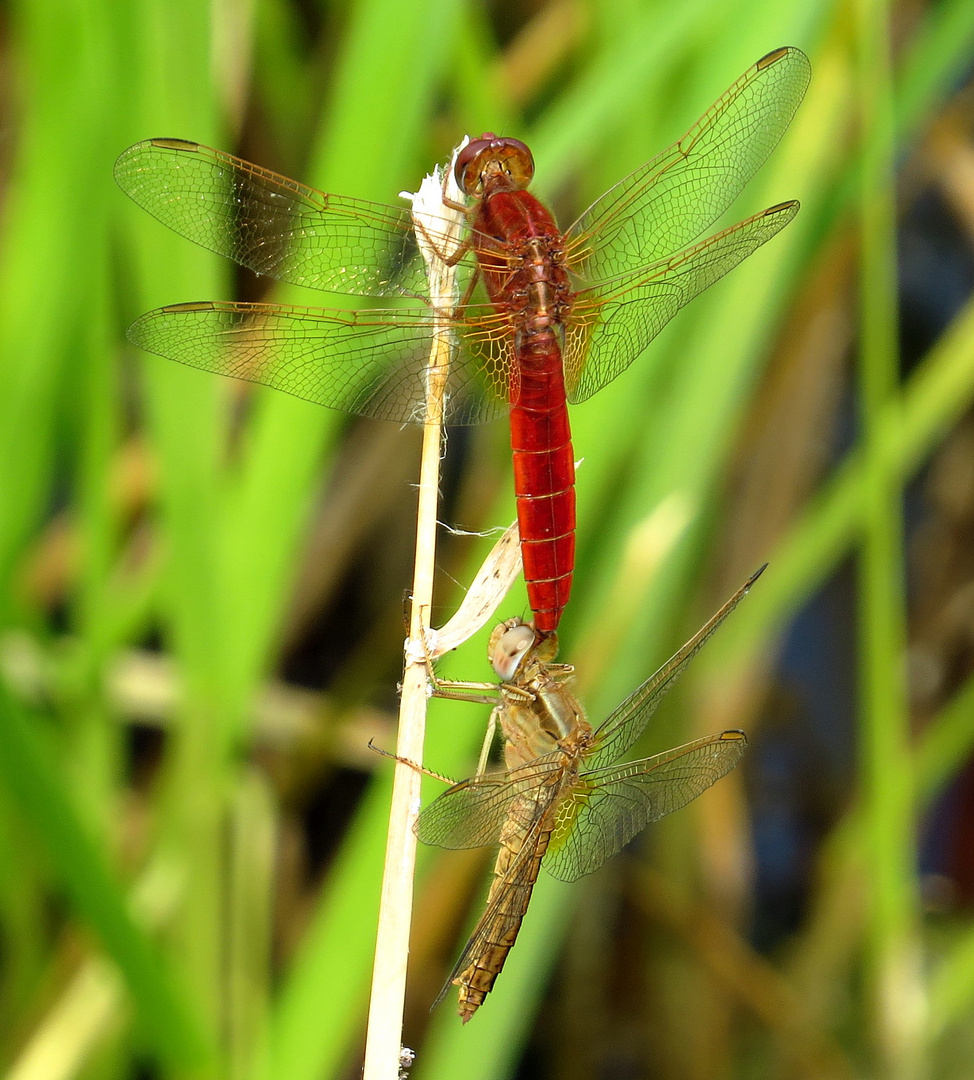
x=632, y=310
x=273, y=225
x=470, y=814
x=610, y=806
x=616, y=734
x=372, y=363
x=672, y=199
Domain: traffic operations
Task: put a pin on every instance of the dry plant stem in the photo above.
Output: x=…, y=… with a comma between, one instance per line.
x=384, y=1033
x=383, y=1040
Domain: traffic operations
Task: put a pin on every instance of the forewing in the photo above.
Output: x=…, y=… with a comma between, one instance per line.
x=616, y=734
x=630, y=314
x=672, y=199
x=273, y=225
x=470, y=814
x=371, y=363
x=612, y=805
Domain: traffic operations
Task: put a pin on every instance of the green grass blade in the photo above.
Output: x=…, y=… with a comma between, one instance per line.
x=80, y=867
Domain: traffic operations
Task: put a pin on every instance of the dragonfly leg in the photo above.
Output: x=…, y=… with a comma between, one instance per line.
x=452, y=204
x=458, y=253
x=412, y=764
x=468, y=292
x=480, y=693
x=488, y=741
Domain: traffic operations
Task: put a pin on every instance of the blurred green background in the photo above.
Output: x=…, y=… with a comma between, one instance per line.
x=202, y=582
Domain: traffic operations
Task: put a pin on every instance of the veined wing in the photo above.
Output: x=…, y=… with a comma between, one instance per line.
x=610, y=806
x=616, y=734
x=630, y=311
x=370, y=362
x=673, y=198
x=273, y=225
x=470, y=814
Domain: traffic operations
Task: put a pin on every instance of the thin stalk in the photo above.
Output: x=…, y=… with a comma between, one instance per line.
x=383, y=1045
x=892, y=943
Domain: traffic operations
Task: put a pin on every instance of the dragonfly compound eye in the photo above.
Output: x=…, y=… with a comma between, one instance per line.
x=507, y=650
x=493, y=162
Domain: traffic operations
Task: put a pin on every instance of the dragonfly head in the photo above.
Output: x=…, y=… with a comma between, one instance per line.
x=513, y=641
x=493, y=163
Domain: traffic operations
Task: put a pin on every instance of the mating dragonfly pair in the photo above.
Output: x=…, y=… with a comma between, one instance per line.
x=544, y=318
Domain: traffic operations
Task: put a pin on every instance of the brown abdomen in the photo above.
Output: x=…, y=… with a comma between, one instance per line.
x=507, y=902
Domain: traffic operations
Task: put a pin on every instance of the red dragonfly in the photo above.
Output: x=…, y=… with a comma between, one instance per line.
x=545, y=315
x=561, y=803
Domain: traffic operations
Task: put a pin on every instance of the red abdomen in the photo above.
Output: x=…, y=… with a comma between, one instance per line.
x=525, y=279
x=544, y=480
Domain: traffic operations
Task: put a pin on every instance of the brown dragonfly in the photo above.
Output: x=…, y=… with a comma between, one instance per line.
x=561, y=801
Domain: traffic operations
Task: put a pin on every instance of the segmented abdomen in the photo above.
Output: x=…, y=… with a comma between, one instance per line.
x=544, y=478
x=507, y=901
